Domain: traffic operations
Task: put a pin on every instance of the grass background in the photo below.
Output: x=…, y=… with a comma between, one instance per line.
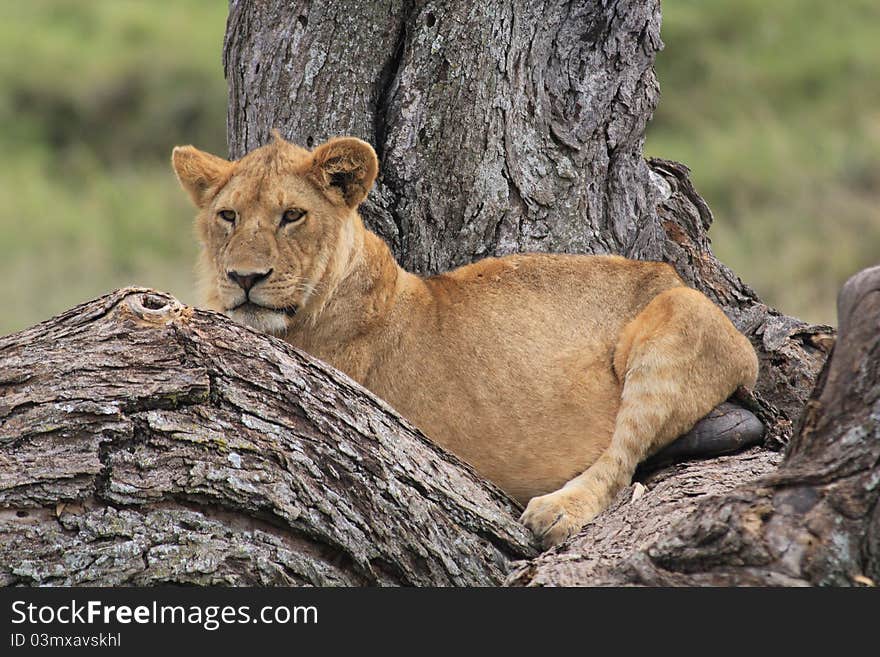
x=774, y=105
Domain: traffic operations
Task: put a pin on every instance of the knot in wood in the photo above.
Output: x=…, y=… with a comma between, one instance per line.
x=154, y=307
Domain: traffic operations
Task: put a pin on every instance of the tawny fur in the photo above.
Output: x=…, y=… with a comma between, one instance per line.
x=553, y=375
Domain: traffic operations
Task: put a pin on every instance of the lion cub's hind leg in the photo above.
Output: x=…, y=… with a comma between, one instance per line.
x=678, y=359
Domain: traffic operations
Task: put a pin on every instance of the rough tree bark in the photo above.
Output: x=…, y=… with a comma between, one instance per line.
x=143, y=442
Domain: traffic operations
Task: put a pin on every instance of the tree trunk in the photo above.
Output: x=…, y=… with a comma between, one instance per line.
x=814, y=520
x=143, y=442
x=502, y=126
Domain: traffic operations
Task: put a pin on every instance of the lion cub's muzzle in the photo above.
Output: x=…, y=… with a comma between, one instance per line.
x=249, y=309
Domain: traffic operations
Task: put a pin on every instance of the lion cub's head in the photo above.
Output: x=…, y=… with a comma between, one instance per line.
x=276, y=226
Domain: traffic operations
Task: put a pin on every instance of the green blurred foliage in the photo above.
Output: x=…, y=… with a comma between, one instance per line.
x=774, y=105
x=93, y=96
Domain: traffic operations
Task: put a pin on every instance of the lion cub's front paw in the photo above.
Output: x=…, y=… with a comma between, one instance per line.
x=556, y=516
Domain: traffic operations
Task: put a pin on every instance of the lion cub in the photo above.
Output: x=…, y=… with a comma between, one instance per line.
x=553, y=375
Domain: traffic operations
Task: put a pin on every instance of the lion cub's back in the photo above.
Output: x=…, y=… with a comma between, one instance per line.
x=563, y=293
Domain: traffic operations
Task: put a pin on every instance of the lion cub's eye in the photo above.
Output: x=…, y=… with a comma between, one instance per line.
x=227, y=215
x=292, y=216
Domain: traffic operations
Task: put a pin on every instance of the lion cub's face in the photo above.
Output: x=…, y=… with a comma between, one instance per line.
x=277, y=226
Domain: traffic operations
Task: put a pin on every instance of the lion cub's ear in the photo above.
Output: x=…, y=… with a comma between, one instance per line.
x=198, y=171
x=344, y=168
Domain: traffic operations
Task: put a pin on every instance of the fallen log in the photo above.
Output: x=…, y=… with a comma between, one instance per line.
x=145, y=442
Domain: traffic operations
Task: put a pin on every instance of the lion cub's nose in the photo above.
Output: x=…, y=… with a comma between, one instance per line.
x=247, y=281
